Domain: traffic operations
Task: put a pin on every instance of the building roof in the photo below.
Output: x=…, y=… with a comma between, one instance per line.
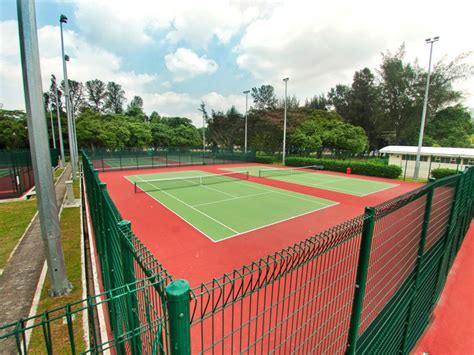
x=438, y=151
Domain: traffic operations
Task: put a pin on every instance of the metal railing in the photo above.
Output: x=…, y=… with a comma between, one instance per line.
x=367, y=285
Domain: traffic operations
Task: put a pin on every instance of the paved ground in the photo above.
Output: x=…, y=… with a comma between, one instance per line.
x=20, y=277
x=452, y=329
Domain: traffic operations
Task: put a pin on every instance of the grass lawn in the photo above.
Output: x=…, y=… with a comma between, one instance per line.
x=58, y=172
x=14, y=218
x=71, y=240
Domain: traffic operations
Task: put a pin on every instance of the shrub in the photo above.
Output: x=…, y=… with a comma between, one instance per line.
x=266, y=159
x=442, y=172
x=358, y=167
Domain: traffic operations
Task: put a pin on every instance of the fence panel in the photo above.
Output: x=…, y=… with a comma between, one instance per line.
x=298, y=300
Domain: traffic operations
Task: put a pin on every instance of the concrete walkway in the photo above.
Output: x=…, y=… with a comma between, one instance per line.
x=20, y=277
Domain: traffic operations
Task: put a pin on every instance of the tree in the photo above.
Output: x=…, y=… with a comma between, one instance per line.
x=292, y=103
x=264, y=97
x=339, y=99
x=318, y=103
x=322, y=129
x=364, y=105
x=226, y=129
x=135, y=108
x=115, y=98
x=96, y=94
x=76, y=95
x=13, y=132
x=450, y=127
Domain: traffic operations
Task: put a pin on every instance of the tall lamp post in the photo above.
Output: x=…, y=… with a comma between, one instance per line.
x=284, y=122
x=203, y=133
x=429, y=41
x=52, y=123
x=60, y=130
x=70, y=128
x=246, y=92
x=38, y=136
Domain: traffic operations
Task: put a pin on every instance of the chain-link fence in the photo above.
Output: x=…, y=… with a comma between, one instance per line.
x=368, y=285
x=16, y=172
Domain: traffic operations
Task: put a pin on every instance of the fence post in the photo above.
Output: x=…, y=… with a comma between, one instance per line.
x=361, y=278
x=129, y=278
x=445, y=259
x=177, y=302
x=419, y=263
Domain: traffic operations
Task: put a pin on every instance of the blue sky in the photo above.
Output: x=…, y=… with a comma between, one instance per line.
x=177, y=54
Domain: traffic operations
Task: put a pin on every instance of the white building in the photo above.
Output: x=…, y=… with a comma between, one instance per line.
x=431, y=158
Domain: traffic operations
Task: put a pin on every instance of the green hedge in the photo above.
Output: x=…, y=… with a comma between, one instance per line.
x=361, y=168
x=266, y=159
x=441, y=173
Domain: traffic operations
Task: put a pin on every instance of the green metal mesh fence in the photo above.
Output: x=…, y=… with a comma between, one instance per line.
x=16, y=171
x=367, y=285
x=126, y=159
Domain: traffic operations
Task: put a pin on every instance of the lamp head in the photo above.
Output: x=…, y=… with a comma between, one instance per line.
x=63, y=19
x=246, y=91
x=286, y=79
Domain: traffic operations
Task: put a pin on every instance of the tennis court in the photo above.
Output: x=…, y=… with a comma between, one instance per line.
x=221, y=206
x=310, y=177
x=4, y=172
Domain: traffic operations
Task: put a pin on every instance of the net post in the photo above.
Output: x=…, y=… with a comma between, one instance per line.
x=361, y=278
x=135, y=184
x=177, y=303
x=419, y=263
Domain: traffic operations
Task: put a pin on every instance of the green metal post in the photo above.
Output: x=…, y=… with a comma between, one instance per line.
x=445, y=259
x=361, y=278
x=129, y=277
x=177, y=297
x=419, y=263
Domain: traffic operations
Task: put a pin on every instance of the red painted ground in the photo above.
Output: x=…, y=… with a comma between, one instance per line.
x=452, y=330
x=186, y=253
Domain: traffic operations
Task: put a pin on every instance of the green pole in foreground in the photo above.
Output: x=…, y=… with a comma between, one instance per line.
x=177, y=293
x=361, y=278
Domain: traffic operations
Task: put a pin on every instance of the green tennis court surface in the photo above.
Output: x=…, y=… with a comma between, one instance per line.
x=223, y=206
x=308, y=177
x=132, y=161
x=4, y=172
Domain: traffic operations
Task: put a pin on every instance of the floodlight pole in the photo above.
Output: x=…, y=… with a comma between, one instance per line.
x=203, y=132
x=284, y=123
x=38, y=137
x=425, y=104
x=52, y=123
x=70, y=128
x=246, y=92
x=60, y=130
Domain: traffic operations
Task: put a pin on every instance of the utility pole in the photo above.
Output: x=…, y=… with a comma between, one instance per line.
x=246, y=92
x=60, y=130
x=52, y=123
x=38, y=136
x=284, y=122
x=425, y=104
x=70, y=127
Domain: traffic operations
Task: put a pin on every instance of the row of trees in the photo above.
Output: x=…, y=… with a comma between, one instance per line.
x=378, y=108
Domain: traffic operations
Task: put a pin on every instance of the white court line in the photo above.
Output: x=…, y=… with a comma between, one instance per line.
x=195, y=209
x=232, y=199
x=249, y=184
x=279, y=221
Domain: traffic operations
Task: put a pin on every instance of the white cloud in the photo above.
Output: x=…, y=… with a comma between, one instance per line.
x=319, y=45
x=87, y=62
x=185, y=64
x=122, y=25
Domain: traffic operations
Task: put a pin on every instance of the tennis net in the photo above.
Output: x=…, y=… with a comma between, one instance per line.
x=291, y=171
x=182, y=182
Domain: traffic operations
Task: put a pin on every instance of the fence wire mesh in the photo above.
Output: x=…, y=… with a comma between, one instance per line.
x=367, y=285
